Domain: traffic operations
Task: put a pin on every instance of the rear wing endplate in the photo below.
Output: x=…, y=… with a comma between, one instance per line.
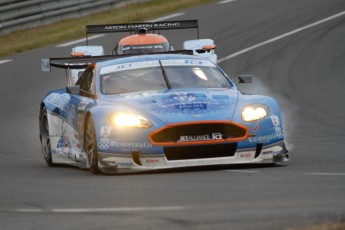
x=132, y=27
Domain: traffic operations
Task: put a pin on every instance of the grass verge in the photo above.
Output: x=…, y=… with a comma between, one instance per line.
x=24, y=40
x=325, y=226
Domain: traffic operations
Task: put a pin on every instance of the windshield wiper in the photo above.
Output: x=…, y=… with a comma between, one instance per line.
x=165, y=75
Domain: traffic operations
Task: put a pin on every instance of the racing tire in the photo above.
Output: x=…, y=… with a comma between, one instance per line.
x=45, y=138
x=91, y=146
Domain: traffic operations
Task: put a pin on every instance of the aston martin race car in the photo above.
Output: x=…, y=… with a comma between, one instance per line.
x=146, y=37
x=202, y=47
x=143, y=38
x=81, y=51
x=156, y=111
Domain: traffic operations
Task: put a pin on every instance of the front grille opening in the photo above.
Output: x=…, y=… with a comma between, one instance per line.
x=173, y=134
x=200, y=152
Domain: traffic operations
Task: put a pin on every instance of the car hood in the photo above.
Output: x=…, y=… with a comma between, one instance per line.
x=171, y=106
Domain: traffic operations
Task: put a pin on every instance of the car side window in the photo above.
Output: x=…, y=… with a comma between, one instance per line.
x=86, y=83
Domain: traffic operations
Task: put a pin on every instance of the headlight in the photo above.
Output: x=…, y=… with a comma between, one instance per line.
x=130, y=120
x=254, y=112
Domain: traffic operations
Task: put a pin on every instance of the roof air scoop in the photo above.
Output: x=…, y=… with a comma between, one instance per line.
x=142, y=31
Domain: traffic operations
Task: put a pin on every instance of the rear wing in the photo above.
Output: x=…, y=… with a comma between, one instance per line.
x=132, y=27
x=83, y=62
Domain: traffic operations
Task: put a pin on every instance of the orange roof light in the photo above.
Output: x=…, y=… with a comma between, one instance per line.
x=77, y=54
x=209, y=47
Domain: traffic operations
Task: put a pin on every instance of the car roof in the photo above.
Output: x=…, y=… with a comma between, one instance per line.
x=139, y=39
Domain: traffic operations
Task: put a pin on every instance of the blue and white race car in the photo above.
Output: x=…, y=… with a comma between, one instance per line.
x=156, y=111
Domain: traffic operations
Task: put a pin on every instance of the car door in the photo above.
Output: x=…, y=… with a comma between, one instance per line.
x=75, y=110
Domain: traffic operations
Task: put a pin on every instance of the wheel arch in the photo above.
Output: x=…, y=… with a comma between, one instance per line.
x=40, y=116
x=87, y=116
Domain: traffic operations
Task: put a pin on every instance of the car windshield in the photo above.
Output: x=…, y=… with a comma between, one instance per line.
x=160, y=75
x=143, y=48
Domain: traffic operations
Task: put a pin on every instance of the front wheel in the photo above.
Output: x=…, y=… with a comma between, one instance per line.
x=45, y=138
x=91, y=146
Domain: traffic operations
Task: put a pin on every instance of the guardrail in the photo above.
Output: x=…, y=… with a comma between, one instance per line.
x=23, y=14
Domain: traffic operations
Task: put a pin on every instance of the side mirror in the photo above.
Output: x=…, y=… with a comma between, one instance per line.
x=73, y=89
x=245, y=79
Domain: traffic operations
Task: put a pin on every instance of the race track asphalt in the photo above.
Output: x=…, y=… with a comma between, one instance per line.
x=302, y=67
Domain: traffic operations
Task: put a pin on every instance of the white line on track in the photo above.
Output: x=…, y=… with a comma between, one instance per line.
x=226, y=1
x=80, y=40
x=100, y=210
x=5, y=61
x=28, y=210
x=326, y=174
x=281, y=37
x=167, y=17
x=242, y=171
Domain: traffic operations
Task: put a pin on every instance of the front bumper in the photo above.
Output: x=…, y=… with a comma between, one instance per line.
x=136, y=161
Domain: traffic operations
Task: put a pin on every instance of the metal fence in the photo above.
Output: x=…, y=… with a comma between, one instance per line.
x=23, y=14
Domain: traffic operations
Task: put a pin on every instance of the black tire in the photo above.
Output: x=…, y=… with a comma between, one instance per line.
x=45, y=139
x=91, y=146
